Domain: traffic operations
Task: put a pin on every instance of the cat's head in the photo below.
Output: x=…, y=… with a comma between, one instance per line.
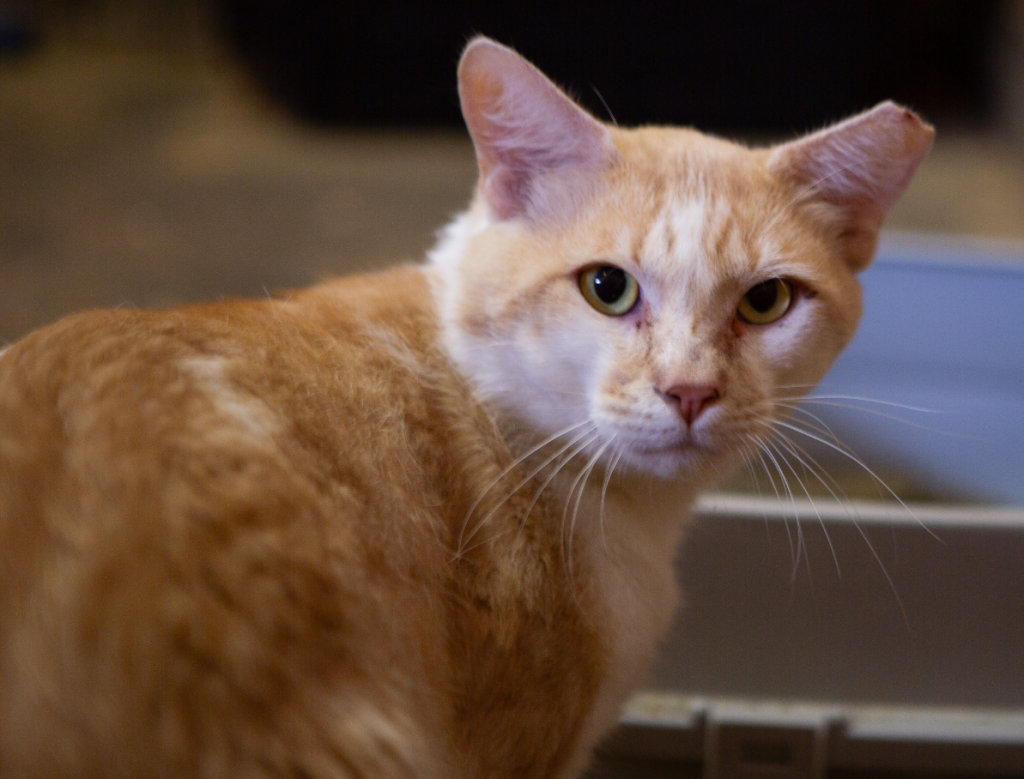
x=656, y=286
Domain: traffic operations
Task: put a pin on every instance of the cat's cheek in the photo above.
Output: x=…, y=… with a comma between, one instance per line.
x=780, y=345
x=799, y=348
x=553, y=372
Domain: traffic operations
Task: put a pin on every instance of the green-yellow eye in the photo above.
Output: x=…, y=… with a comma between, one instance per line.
x=610, y=290
x=766, y=302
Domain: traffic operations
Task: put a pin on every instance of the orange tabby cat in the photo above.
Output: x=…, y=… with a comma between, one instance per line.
x=420, y=523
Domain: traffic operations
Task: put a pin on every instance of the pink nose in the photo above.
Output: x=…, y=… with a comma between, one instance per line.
x=693, y=399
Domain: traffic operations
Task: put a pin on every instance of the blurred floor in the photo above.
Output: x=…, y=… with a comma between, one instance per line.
x=153, y=178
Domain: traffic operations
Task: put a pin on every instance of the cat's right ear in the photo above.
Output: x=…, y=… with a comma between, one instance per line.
x=525, y=128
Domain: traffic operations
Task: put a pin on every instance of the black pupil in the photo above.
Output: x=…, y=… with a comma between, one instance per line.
x=610, y=284
x=763, y=296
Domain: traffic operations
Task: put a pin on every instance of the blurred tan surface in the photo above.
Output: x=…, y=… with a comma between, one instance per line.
x=150, y=178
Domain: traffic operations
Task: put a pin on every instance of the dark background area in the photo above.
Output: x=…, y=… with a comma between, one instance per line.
x=160, y=151
x=741, y=66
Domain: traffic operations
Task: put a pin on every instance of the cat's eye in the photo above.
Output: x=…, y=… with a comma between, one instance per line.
x=610, y=290
x=766, y=302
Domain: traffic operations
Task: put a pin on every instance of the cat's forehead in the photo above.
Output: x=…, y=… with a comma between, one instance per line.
x=678, y=158
x=677, y=197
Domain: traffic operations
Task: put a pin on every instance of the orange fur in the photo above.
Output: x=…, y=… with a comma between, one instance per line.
x=317, y=536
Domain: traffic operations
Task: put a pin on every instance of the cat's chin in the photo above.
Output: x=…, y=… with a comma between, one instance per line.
x=686, y=460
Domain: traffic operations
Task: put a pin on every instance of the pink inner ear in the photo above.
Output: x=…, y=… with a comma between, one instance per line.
x=522, y=126
x=861, y=165
x=869, y=158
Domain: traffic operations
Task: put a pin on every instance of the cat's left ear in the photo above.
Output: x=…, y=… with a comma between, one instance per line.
x=534, y=145
x=860, y=166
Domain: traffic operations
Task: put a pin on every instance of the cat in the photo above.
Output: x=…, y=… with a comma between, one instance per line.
x=420, y=523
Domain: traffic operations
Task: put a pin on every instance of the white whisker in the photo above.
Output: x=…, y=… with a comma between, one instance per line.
x=585, y=473
x=814, y=467
x=893, y=417
x=863, y=465
x=797, y=452
x=793, y=551
x=594, y=435
x=604, y=492
x=863, y=399
x=821, y=427
x=801, y=542
x=881, y=565
x=863, y=535
x=462, y=537
x=518, y=460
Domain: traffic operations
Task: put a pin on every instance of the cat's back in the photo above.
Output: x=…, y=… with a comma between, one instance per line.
x=194, y=530
x=109, y=404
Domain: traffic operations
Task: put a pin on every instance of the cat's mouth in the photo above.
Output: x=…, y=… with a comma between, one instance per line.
x=685, y=442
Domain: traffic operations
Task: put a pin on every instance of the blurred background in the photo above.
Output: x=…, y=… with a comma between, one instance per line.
x=160, y=151
x=155, y=151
